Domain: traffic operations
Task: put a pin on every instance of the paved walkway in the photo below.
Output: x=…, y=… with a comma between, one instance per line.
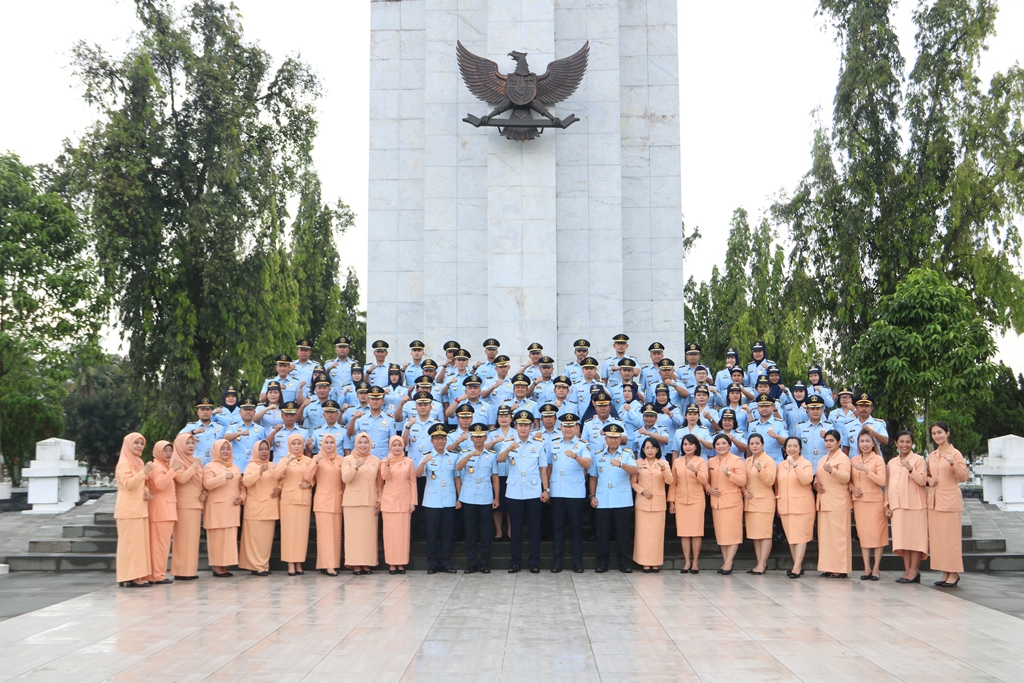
x=502, y=627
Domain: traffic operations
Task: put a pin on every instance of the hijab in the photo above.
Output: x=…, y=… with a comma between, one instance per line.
x=355, y=443
x=134, y=461
x=215, y=458
x=392, y=440
x=158, y=450
x=330, y=456
x=179, y=451
x=296, y=437
x=254, y=456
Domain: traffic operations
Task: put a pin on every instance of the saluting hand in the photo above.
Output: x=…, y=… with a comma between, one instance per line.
x=229, y=475
x=176, y=467
x=149, y=467
x=237, y=501
x=860, y=468
x=827, y=467
x=692, y=468
x=264, y=467
x=199, y=430
x=757, y=465
x=771, y=432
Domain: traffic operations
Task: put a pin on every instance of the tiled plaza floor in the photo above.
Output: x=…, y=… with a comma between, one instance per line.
x=537, y=628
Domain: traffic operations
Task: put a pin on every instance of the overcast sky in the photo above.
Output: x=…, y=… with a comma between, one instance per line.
x=752, y=74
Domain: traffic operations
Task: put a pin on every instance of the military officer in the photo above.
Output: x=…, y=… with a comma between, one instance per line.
x=650, y=374
x=205, y=430
x=574, y=370
x=436, y=412
x=734, y=402
x=772, y=429
x=687, y=373
x=228, y=412
x=645, y=424
x=562, y=384
x=477, y=468
x=692, y=425
x=332, y=411
x=610, y=366
x=590, y=382
x=679, y=393
x=376, y=423
x=794, y=412
x=278, y=436
x=527, y=488
x=304, y=365
x=724, y=377
x=454, y=382
x=627, y=370
x=543, y=388
x=570, y=460
x=346, y=395
x=311, y=411
x=450, y=348
x=520, y=399
x=458, y=438
x=811, y=431
x=486, y=369
x=547, y=430
x=440, y=500
x=864, y=405
x=339, y=370
x=611, y=469
x=290, y=386
x=376, y=373
x=593, y=428
x=430, y=372
x=845, y=411
x=532, y=368
x=395, y=391
x=245, y=433
x=268, y=414
x=759, y=365
x=414, y=368
x=416, y=430
x=816, y=386
x=727, y=426
x=499, y=389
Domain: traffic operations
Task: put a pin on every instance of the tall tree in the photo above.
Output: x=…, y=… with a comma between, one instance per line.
x=99, y=411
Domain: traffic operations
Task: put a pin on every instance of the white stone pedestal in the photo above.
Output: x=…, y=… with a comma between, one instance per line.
x=53, y=478
x=1002, y=475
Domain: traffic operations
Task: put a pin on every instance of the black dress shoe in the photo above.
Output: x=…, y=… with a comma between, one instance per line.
x=577, y=570
x=695, y=571
x=916, y=579
x=601, y=570
x=557, y=569
x=432, y=570
x=222, y=576
x=470, y=570
x=826, y=575
x=514, y=569
x=625, y=569
x=647, y=570
x=865, y=577
x=400, y=571
x=756, y=573
x=185, y=578
x=725, y=572
x=485, y=569
x=792, y=575
x=163, y=582
x=838, y=576
x=392, y=571
x=902, y=579
x=873, y=577
x=535, y=570
x=448, y=568
x=266, y=573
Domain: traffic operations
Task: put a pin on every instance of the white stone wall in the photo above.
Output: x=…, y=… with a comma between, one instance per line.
x=576, y=233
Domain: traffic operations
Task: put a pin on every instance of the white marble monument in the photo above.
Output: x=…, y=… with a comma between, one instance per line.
x=53, y=478
x=574, y=234
x=1002, y=474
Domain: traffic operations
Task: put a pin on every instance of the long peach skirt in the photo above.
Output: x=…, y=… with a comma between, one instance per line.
x=294, y=532
x=396, y=537
x=872, y=525
x=649, y=541
x=910, y=531
x=257, y=543
x=360, y=536
x=159, y=548
x=728, y=525
x=690, y=519
x=222, y=546
x=759, y=525
x=798, y=528
x=945, y=541
x=328, y=540
x=185, y=549
x=835, y=542
x=133, y=553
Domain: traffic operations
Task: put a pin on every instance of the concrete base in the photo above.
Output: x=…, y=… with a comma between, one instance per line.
x=50, y=508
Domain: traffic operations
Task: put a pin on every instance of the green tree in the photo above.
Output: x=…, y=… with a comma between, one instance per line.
x=99, y=411
x=1003, y=412
x=50, y=299
x=928, y=354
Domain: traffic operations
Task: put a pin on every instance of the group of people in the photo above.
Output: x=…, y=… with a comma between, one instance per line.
x=480, y=449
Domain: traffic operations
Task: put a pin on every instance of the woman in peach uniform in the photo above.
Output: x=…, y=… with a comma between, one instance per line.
x=223, y=514
x=946, y=471
x=131, y=513
x=835, y=538
x=759, y=501
x=297, y=471
x=906, y=497
x=327, y=506
x=726, y=479
x=652, y=476
x=190, y=496
x=262, y=483
x=686, y=500
x=867, y=476
x=360, y=472
x=398, y=499
x=162, y=509
x=794, y=499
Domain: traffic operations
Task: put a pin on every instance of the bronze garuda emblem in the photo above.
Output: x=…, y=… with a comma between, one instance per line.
x=522, y=91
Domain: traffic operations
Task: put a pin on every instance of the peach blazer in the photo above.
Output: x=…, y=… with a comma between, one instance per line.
x=945, y=496
x=760, y=484
x=361, y=484
x=189, y=487
x=131, y=488
x=731, y=485
x=293, y=473
x=653, y=478
x=837, y=483
x=793, y=493
x=163, y=506
x=399, y=491
x=907, y=490
x=329, y=488
x=686, y=487
x=221, y=511
x=870, y=483
x=259, y=503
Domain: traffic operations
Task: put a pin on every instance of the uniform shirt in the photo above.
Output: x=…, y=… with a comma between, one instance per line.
x=698, y=431
x=279, y=449
x=227, y=417
x=771, y=446
x=794, y=414
x=650, y=392
x=632, y=419
x=544, y=392
x=313, y=415
x=456, y=389
x=483, y=412
x=574, y=371
x=440, y=474
x=477, y=487
x=526, y=404
x=412, y=373
x=392, y=396
x=488, y=373
x=567, y=407
x=204, y=441
x=582, y=396
x=289, y=388
x=591, y=432
x=524, y=465
x=378, y=377
x=812, y=443
x=755, y=369
x=723, y=380
x=304, y=372
x=568, y=478
x=320, y=432
x=380, y=428
x=648, y=376
x=340, y=374
x=419, y=442
x=732, y=448
x=612, y=378
x=839, y=418
x=617, y=396
x=532, y=371
x=636, y=440
x=613, y=483
x=503, y=392
x=465, y=447
x=241, y=447
x=825, y=393
x=742, y=416
x=271, y=418
x=502, y=469
x=853, y=427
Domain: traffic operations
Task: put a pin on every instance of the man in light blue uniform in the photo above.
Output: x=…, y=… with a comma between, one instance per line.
x=414, y=368
x=644, y=425
x=244, y=434
x=532, y=368
x=865, y=404
x=330, y=426
x=724, y=377
x=450, y=348
x=547, y=431
x=423, y=384
x=521, y=399
x=544, y=387
x=650, y=374
x=454, y=387
x=311, y=412
x=305, y=366
x=339, y=370
x=687, y=373
x=759, y=365
x=440, y=501
x=585, y=389
x=610, y=366
x=416, y=431
x=593, y=429
x=562, y=384
x=486, y=369
x=278, y=436
x=458, y=438
x=678, y=394
x=483, y=412
x=290, y=386
x=570, y=460
x=376, y=373
x=479, y=497
x=811, y=432
x=574, y=370
x=499, y=389
x=205, y=430
x=627, y=369
x=771, y=428
x=526, y=490
x=376, y=423
x=611, y=494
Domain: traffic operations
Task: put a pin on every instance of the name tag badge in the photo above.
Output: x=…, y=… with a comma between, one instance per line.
x=609, y=484
x=600, y=469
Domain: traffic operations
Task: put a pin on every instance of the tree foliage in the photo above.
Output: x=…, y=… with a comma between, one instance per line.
x=1002, y=412
x=99, y=410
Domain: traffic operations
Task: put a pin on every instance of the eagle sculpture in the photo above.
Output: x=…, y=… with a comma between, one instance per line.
x=522, y=91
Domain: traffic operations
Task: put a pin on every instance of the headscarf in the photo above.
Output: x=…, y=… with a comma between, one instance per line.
x=179, y=451
x=215, y=458
x=254, y=455
x=332, y=437
x=158, y=449
x=355, y=444
x=394, y=439
x=293, y=437
x=134, y=461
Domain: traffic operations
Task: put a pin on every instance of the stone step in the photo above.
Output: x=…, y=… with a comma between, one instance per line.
x=103, y=518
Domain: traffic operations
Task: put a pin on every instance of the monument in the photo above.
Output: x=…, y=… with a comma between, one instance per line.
x=572, y=232
x=53, y=478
